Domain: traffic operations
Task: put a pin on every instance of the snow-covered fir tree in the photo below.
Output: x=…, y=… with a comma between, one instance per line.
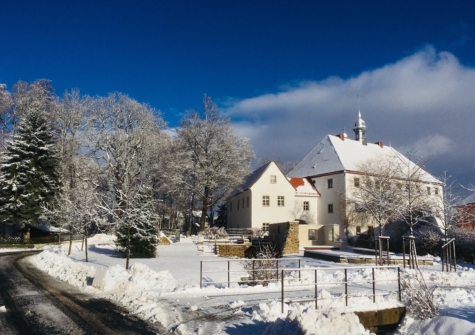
x=30, y=180
x=138, y=235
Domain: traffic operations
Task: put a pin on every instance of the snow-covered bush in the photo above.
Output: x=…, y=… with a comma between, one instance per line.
x=428, y=240
x=257, y=232
x=418, y=296
x=264, y=266
x=213, y=233
x=464, y=243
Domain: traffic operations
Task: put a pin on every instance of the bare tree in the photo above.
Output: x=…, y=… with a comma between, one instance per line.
x=374, y=193
x=37, y=95
x=77, y=208
x=415, y=204
x=5, y=108
x=122, y=133
x=414, y=199
x=68, y=118
x=444, y=205
x=215, y=159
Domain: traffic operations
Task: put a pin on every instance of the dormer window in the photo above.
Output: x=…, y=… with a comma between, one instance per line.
x=273, y=179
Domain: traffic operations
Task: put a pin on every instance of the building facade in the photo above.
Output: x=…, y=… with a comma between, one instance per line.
x=466, y=213
x=329, y=172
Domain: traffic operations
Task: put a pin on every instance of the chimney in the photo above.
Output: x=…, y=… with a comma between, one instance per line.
x=380, y=144
x=341, y=136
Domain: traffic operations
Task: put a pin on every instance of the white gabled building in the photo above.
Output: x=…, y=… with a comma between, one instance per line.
x=327, y=173
x=268, y=196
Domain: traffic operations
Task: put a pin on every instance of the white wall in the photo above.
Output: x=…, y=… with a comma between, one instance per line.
x=311, y=217
x=240, y=218
x=272, y=213
x=331, y=196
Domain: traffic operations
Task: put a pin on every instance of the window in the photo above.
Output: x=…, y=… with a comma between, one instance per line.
x=358, y=230
x=242, y=202
x=357, y=182
x=330, y=183
x=248, y=201
x=265, y=200
x=312, y=235
x=273, y=179
x=238, y=202
x=280, y=201
x=428, y=190
x=436, y=191
x=330, y=208
x=265, y=226
x=306, y=206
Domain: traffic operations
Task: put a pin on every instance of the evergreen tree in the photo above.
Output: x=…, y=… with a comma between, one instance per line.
x=222, y=219
x=139, y=233
x=30, y=180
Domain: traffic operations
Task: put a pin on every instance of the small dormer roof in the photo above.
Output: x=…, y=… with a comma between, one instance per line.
x=304, y=187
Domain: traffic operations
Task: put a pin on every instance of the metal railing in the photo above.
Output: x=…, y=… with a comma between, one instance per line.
x=280, y=263
x=286, y=284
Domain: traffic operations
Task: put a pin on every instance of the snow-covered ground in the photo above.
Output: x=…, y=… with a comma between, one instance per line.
x=167, y=290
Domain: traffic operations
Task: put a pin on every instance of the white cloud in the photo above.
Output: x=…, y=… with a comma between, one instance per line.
x=424, y=102
x=428, y=146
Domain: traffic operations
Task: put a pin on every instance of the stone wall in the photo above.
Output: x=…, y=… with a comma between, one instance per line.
x=291, y=244
x=232, y=250
x=285, y=236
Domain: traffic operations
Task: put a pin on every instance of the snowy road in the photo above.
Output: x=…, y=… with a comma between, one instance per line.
x=32, y=302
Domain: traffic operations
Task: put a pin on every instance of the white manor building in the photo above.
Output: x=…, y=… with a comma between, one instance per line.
x=312, y=192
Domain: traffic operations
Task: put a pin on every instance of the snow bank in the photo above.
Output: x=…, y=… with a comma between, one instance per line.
x=304, y=319
x=130, y=288
x=102, y=239
x=56, y=263
x=436, y=326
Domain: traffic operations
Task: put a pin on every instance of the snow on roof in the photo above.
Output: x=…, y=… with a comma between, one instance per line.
x=468, y=200
x=51, y=229
x=333, y=155
x=303, y=187
x=250, y=179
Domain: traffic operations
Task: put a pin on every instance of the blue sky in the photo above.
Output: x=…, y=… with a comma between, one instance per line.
x=286, y=72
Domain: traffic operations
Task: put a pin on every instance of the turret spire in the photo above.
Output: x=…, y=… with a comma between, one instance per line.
x=360, y=129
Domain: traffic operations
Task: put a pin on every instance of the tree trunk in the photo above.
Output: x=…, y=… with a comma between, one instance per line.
x=204, y=209
x=190, y=221
x=127, y=249
x=85, y=241
x=71, y=230
x=211, y=216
